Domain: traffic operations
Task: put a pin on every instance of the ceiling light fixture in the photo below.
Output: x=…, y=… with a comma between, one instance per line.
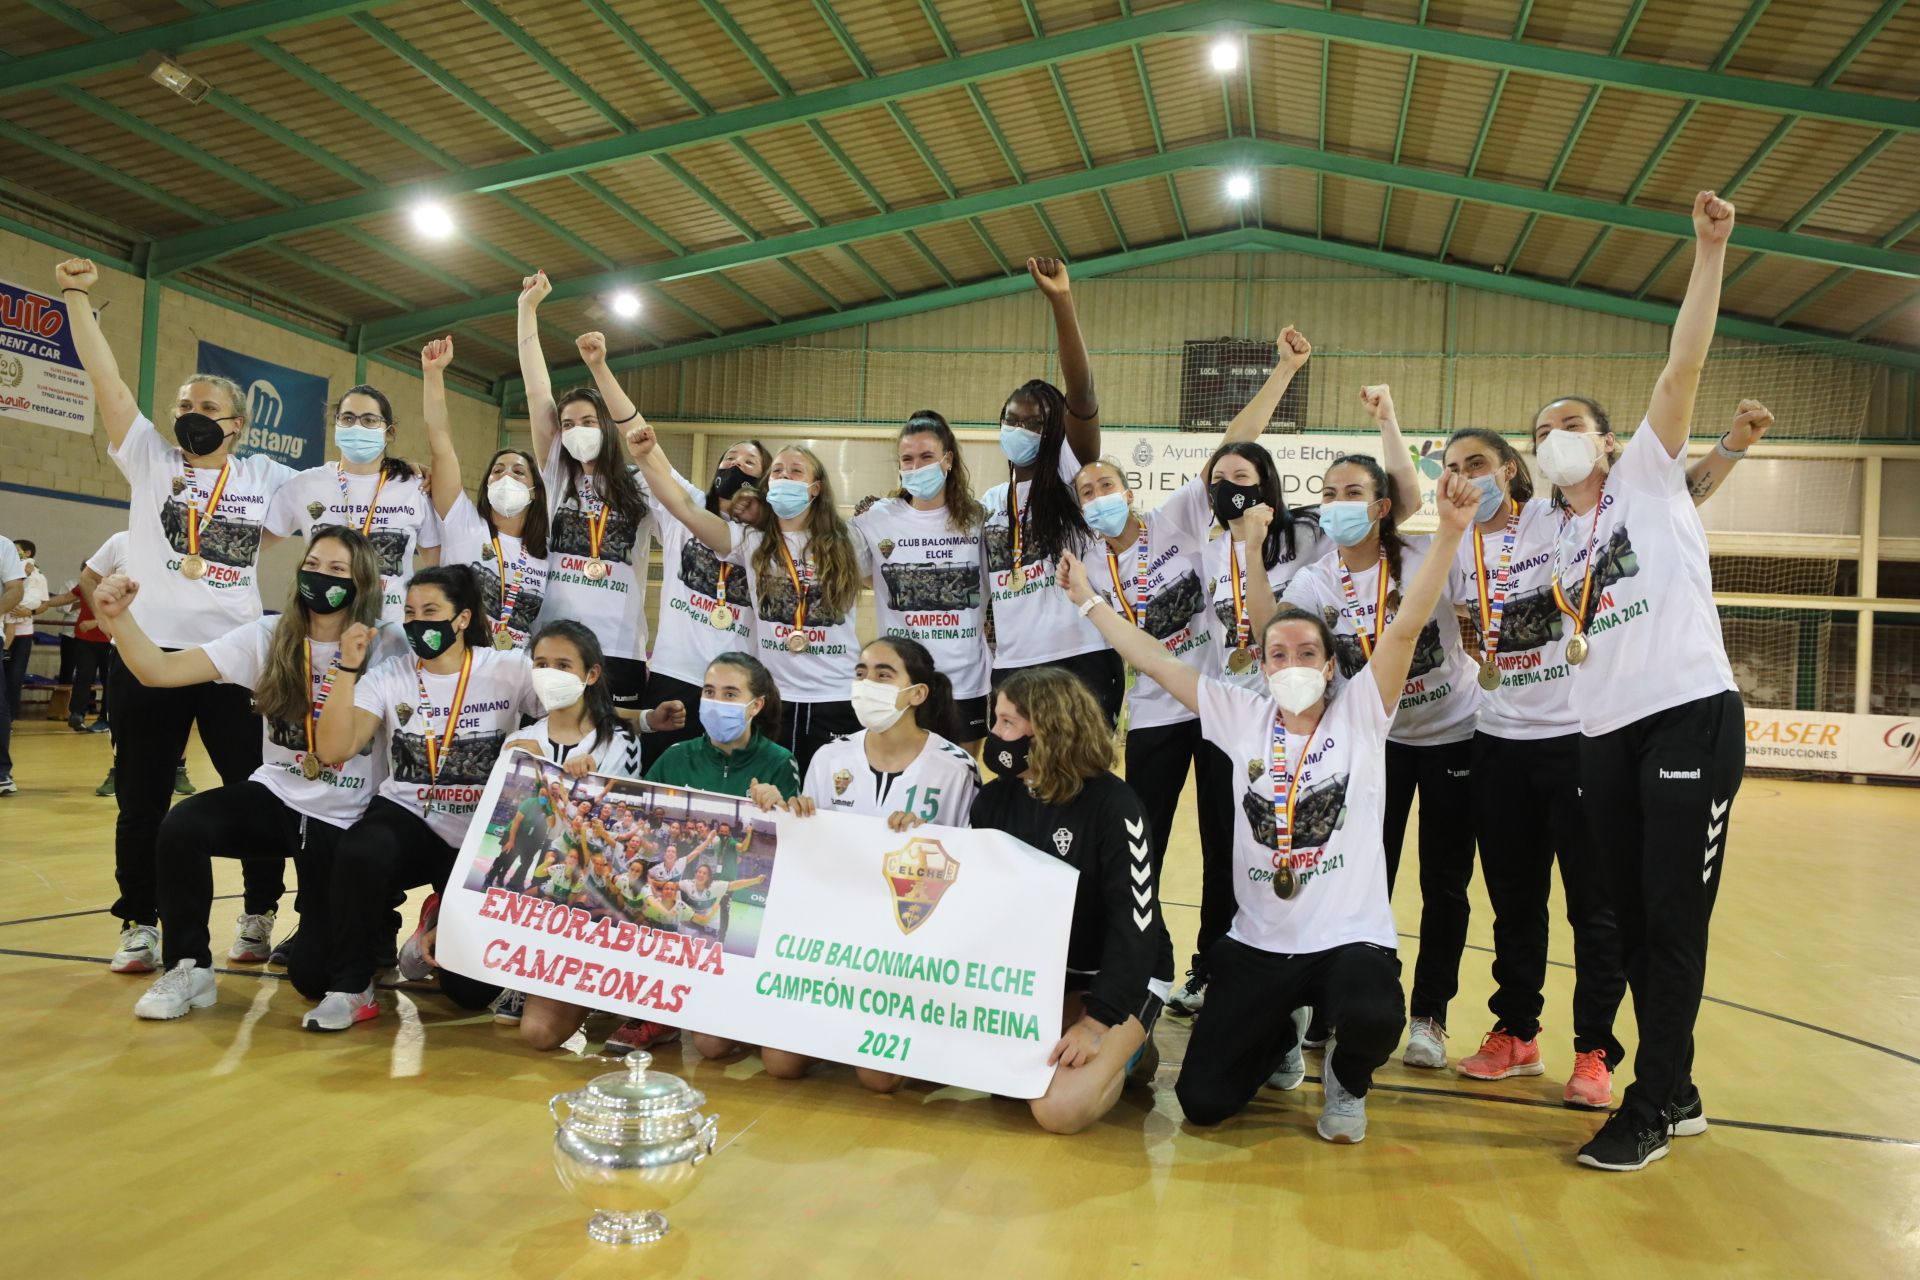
x=168, y=74
x=1224, y=54
x=431, y=219
x=626, y=304
x=1239, y=185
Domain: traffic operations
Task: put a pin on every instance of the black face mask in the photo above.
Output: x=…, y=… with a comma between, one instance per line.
x=198, y=434
x=1231, y=501
x=325, y=593
x=430, y=639
x=727, y=482
x=1007, y=756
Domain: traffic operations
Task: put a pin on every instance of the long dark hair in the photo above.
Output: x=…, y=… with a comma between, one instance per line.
x=283, y=692
x=1520, y=488
x=598, y=696
x=1278, y=546
x=1052, y=513
x=1391, y=544
x=533, y=534
x=760, y=684
x=613, y=480
x=964, y=511
x=395, y=468
x=461, y=586
x=1600, y=420
x=830, y=547
x=937, y=714
x=766, y=465
x=1294, y=613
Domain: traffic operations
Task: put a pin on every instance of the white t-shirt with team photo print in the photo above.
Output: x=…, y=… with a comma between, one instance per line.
x=402, y=520
x=1655, y=641
x=938, y=787
x=692, y=583
x=1531, y=700
x=179, y=612
x=499, y=692
x=929, y=584
x=1173, y=608
x=1340, y=792
x=1223, y=559
x=613, y=607
x=466, y=539
x=824, y=672
x=340, y=794
x=1033, y=620
x=1442, y=695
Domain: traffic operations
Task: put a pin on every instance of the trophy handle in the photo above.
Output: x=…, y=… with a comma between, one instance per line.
x=553, y=1108
x=708, y=1134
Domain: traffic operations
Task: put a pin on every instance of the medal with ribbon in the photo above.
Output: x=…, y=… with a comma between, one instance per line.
x=797, y=638
x=1240, y=660
x=1352, y=608
x=310, y=764
x=439, y=745
x=1286, y=792
x=1134, y=606
x=597, y=512
x=193, y=566
x=373, y=503
x=1493, y=596
x=509, y=591
x=1577, y=647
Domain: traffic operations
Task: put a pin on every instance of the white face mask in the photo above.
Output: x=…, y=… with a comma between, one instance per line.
x=1567, y=457
x=582, y=442
x=874, y=705
x=557, y=690
x=509, y=497
x=1297, y=688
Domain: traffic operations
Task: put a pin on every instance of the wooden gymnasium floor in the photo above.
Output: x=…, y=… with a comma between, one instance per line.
x=233, y=1143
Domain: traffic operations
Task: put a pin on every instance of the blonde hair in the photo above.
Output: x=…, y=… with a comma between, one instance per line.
x=1071, y=739
x=283, y=691
x=836, y=566
x=235, y=395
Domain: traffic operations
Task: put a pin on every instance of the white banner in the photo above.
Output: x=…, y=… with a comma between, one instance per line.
x=1159, y=462
x=1810, y=740
x=41, y=380
x=939, y=954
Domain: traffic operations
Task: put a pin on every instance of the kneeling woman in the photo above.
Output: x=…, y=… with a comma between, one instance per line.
x=1313, y=925
x=293, y=805
x=1050, y=745
x=446, y=711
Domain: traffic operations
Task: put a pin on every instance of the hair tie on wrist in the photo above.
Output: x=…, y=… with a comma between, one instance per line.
x=629, y=418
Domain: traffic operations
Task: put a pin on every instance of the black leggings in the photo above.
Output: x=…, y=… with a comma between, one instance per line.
x=627, y=679
x=1443, y=776
x=805, y=727
x=390, y=850
x=89, y=664
x=1158, y=759
x=154, y=724
x=1102, y=671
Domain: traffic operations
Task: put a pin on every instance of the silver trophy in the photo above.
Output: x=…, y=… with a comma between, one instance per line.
x=628, y=1145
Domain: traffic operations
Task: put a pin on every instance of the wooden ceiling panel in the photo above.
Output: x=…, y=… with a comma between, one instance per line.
x=798, y=157
x=1858, y=299
x=1353, y=210
x=1083, y=225
x=900, y=263
x=883, y=155
x=960, y=250
x=1187, y=95
x=1770, y=287
x=1289, y=197
x=1806, y=159
x=1029, y=115
x=1795, y=40
x=1203, y=195
x=1417, y=222
x=974, y=25
x=838, y=275
x=779, y=288
x=1363, y=101
x=1485, y=234
x=1535, y=117
x=1690, y=33
x=1019, y=234
x=1553, y=246
x=1890, y=63
x=1105, y=93
x=1624, y=261
x=956, y=135
x=1871, y=204
x=1449, y=102
x=1145, y=211
x=893, y=36
x=792, y=36
x=736, y=184
x=1286, y=87
x=1619, y=135
x=1591, y=25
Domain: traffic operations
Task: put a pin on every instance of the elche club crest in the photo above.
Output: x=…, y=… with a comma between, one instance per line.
x=841, y=781
x=918, y=876
x=1063, y=840
x=1003, y=761
x=315, y=510
x=402, y=712
x=1142, y=454
x=1254, y=770
x=886, y=547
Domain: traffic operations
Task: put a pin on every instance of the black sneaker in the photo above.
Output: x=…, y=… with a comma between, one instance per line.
x=282, y=950
x=1625, y=1143
x=1687, y=1118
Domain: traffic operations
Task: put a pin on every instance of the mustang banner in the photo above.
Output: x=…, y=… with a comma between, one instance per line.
x=939, y=954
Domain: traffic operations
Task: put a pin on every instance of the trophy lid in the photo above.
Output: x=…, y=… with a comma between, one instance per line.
x=636, y=1094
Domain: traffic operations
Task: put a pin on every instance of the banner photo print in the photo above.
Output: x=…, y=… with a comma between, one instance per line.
x=939, y=953
x=286, y=409
x=40, y=376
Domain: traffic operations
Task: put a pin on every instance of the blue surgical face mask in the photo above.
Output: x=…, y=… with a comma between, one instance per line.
x=723, y=721
x=924, y=482
x=1347, y=523
x=1107, y=514
x=788, y=498
x=1491, y=499
x=360, y=444
x=1019, y=444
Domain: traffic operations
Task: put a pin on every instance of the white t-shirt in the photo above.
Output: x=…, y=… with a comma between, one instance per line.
x=937, y=787
x=1339, y=807
x=929, y=584
x=617, y=756
x=613, y=607
x=33, y=595
x=824, y=673
x=403, y=520
x=340, y=794
x=1442, y=696
x=465, y=539
x=177, y=611
x=11, y=566
x=1033, y=621
x=1531, y=700
x=111, y=558
x=1655, y=637
x=1176, y=612
x=1224, y=558
x=499, y=692
x=693, y=578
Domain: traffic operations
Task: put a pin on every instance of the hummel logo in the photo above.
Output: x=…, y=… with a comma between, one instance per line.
x=1680, y=773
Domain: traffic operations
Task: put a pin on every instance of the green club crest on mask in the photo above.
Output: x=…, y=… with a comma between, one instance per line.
x=336, y=596
x=434, y=640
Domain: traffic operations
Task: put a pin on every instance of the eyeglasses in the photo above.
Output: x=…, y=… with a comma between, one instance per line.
x=360, y=420
x=1035, y=425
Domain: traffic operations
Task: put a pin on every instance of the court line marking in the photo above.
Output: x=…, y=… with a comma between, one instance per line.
x=243, y=1038
x=96, y=911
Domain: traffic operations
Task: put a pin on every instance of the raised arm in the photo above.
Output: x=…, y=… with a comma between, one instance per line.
x=593, y=353
x=1076, y=370
x=118, y=409
x=434, y=359
x=1670, y=413
x=1705, y=476
x=1394, y=458
x=709, y=528
x=153, y=666
x=1294, y=351
x=1393, y=651
x=344, y=728
x=1257, y=591
x=1147, y=655
x=541, y=410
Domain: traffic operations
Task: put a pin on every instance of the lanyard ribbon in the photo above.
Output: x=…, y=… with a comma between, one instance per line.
x=1352, y=607
x=1286, y=792
x=319, y=699
x=438, y=747
x=1493, y=600
x=195, y=514
x=1136, y=605
x=373, y=503
x=1581, y=617
x=793, y=572
x=1013, y=519
x=597, y=512
x=1242, y=627
x=509, y=591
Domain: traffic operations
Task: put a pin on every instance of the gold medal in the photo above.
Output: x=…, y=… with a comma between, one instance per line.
x=1285, y=883
x=1489, y=675
x=596, y=569
x=502, y=638
x=721, y=617
x=1577, y=649
x=310, y=767
x=194, y=567
x=1240, y=661
x=797, y=642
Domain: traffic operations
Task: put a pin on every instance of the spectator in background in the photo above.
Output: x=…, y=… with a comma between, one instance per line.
x=19, y=625
x=13, y=587
x=60, y=612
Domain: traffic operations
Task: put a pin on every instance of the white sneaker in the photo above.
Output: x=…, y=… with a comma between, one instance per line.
x=139, y=949
x=1426, y=1045
x=1293, y=1068
x=1343, y=1117
x=252, y=939
x=1188, y=996
x=184, y=987
x=341, y=1009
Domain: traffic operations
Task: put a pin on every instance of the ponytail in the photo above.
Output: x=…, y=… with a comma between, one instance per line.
x=1391, y=544
x=939, y=713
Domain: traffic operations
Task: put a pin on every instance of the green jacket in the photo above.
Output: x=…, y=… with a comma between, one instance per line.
x=701, y=765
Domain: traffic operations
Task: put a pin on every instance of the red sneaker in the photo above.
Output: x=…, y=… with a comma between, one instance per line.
x=412, y=962
x=1590, y=1087
x=1502, y=1055
x=634, y=1034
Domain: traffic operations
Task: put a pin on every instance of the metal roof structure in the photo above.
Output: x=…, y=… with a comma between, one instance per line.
x=761, y=169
